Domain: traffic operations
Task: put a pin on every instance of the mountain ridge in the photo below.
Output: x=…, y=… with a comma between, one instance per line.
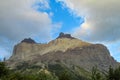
x=66, y=50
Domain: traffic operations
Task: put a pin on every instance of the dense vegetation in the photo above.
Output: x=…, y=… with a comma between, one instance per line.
x=43, y=74
x=112, y=74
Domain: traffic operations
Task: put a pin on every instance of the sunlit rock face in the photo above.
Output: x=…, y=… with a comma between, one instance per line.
x=66, y=50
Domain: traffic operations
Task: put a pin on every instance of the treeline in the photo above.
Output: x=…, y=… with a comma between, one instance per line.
x=43, y=74
x=7, y=74
x=112, y=74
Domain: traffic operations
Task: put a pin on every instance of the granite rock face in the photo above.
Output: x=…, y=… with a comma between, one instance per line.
x=65, y=50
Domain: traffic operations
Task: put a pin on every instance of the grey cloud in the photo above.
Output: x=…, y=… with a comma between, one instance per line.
x=102, y=22
x=102, y=18
x=20, y=19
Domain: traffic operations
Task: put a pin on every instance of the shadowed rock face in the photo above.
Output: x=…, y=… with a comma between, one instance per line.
x=62, y=35
x=65, y=50
x=85, y=57
x=28, y=40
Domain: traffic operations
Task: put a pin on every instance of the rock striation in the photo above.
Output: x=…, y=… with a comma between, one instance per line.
x=66, y=50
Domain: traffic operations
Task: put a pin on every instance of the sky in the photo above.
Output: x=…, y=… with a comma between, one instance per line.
x=95, y=21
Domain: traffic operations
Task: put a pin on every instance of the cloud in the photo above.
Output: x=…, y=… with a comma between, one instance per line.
x=18, y=19
x=22, y=19
x=101, y=19
x=101, y=22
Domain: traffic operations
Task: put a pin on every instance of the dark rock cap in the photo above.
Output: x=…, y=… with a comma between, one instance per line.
x=62, y=35
x=28, y=40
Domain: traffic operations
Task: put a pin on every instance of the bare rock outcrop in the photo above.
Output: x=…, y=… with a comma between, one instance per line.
x=28, y=40
x=66, y=50
x=62, y=35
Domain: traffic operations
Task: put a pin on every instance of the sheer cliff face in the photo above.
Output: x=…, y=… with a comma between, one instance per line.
x=66, y=50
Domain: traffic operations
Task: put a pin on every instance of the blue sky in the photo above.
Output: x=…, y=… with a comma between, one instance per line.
x=43, y=20
x=63, y=16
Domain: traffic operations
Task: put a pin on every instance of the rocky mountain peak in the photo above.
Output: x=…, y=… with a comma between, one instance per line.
x=28, y=40
x=66, y=50
x=63, y=35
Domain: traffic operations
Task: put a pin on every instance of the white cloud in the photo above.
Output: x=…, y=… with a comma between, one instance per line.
x=102, y=16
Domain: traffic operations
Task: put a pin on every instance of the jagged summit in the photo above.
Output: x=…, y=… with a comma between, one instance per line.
x=63, y=35
x=28, y=40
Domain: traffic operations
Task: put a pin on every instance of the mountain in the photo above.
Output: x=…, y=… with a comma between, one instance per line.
x=65, y=52
x=29, y=40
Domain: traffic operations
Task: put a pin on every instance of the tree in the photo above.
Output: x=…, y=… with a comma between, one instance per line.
x=110, y=74
x=3, y=69
x=4, y=59
x=95, y=74
x=113, y=74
